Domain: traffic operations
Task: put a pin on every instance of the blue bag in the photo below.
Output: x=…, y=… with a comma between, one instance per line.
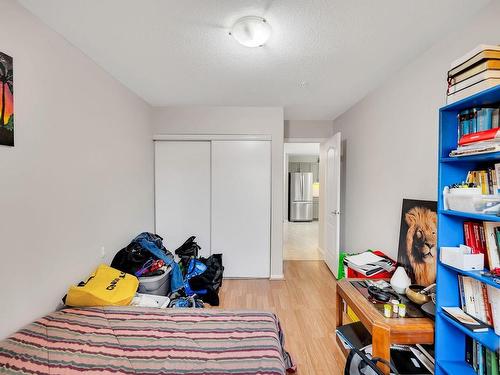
x=154, y=245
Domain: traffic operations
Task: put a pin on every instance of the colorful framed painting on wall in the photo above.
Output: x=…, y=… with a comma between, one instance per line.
x=6, y=100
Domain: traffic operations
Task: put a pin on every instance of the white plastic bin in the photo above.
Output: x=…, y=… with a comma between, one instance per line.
x=455, y=257
x=159, y=285
x=471, y=200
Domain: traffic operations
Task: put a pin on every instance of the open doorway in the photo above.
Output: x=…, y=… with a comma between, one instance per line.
x=302, y=201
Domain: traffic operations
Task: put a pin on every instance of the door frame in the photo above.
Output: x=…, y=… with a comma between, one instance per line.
x=212, y=137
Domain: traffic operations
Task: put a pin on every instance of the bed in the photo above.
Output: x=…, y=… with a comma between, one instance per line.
x=131, y=340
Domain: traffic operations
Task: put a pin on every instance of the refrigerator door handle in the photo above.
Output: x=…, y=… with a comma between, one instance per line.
x=301, y=187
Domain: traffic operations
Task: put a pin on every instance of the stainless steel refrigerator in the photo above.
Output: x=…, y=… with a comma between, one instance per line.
x=300, y=207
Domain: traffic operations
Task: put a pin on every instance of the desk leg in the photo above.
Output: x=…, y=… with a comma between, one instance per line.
x=340, y=310
x=381, y=344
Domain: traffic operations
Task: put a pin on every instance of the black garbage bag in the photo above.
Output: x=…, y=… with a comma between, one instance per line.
x=189, y=248
x=210, y=280
x=132, y=257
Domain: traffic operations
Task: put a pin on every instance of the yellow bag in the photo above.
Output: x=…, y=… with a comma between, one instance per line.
x=106, y=286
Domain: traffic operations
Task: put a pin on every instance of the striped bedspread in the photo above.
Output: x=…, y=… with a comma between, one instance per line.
x=131, y=340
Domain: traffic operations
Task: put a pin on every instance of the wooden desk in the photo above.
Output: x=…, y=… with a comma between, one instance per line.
x=384, y=331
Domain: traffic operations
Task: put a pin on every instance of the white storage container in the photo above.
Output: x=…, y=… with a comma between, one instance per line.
x=159, y=285
x=150, y=300
x=471, y=200
x=455, y=257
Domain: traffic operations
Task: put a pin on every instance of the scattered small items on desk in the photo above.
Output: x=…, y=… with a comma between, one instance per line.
x=402, y=310
x=387, y=310
x=387, y=301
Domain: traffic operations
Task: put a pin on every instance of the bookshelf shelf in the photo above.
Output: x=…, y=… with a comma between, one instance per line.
x=491, y=157
x=450, y=339
x=488, y=339
x=483, y=98
x=474, y=274
x=454, y=368
x=469, y=215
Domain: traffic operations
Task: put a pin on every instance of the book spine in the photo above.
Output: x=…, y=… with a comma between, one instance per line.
x=479, y=310
x=484, y=247
x=483, y=176
x=467, y=237
x=487, y=305
x=462, y=292
x=480, y=359
x=477, y=239
x=495, y=118
x=496, y=249
x=494, y=179
x=470, y=237
x=487, y=360
x=497, y=175
x=469, y=342
x=474, y=356
x=469, y=296
x=490, y=181
x=473, y=120
x=495, y=359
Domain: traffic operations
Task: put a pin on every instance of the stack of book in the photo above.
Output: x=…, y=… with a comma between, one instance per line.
x=486, y=179
x=476, y=71
x=474, y=300
x=484, y=238
x=478, y=131
x=482, y=360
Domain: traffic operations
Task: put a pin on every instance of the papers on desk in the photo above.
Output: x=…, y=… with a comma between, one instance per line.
x=369, y=264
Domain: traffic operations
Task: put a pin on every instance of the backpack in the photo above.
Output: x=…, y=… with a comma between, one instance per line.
x=188, y=249
x=210, y=280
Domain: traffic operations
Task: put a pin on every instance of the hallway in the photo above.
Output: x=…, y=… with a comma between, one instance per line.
x=300, y=241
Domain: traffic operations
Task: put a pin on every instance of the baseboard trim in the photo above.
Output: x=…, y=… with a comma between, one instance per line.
x=277, y=277
x=322, y=252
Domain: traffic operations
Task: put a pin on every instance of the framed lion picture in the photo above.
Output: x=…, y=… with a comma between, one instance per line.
x=417, y=240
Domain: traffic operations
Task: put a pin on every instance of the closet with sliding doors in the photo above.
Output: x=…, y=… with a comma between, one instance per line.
x=218, y=190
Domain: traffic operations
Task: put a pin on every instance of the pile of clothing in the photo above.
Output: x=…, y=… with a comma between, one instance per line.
x=191, y=281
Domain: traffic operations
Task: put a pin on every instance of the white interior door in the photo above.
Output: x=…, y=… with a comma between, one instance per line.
x=332, y=203
x=241, y=206
x=182, y=192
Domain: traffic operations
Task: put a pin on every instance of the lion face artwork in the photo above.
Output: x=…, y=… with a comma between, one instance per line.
x=417, y=250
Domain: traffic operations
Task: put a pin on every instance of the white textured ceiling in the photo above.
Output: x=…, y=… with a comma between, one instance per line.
x=323, y=55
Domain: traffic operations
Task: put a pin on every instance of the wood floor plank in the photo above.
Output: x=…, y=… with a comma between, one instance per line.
x=305, y=305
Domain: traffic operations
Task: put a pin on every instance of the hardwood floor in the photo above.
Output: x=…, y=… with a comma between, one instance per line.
x=301, y=241
x=305, y=305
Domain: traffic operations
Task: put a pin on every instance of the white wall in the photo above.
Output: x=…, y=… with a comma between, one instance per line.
x=390, y=139
x=302, y=129
x=237, y=120
x=79, y=177
x=302, y=148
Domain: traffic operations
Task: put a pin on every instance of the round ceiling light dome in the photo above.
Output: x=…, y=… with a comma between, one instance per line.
x=251, y=31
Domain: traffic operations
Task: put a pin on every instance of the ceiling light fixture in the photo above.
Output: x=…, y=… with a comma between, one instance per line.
x=251, y=31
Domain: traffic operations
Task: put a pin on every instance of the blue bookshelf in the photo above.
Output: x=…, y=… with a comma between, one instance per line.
x=450, y=336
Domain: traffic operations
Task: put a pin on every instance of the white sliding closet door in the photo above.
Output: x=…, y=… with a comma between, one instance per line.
x=182, y=192
x=241, y=206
